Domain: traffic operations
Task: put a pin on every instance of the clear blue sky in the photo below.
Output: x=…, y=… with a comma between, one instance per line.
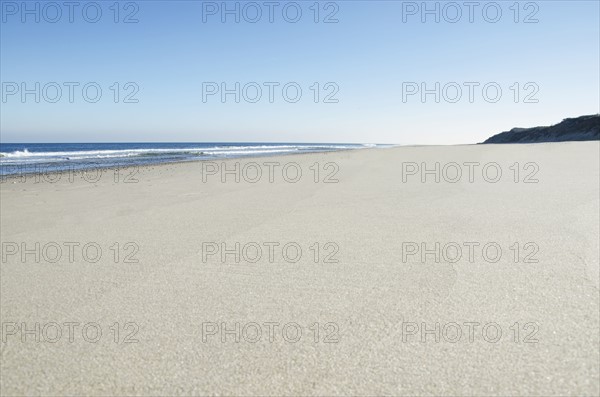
x=368, y=54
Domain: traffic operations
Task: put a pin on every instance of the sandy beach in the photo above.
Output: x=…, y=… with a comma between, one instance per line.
x=343, y=273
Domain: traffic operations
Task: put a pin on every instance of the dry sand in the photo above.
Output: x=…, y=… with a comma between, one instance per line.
x=367, y=304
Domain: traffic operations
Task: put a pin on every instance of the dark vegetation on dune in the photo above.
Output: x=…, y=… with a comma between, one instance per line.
x=584, y=128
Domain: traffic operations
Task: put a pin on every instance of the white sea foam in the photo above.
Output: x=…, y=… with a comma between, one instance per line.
x=58, y=160
x=216, y=150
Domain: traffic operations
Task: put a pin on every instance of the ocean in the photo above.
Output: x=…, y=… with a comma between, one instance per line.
x=25, y=158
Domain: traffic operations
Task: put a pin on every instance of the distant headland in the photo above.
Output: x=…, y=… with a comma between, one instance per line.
x=584, y=128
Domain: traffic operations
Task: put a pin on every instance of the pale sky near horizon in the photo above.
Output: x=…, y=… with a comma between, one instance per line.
x=361, y=67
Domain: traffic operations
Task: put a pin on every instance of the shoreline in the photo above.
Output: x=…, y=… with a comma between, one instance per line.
x=12, y=177
x=144, y=167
